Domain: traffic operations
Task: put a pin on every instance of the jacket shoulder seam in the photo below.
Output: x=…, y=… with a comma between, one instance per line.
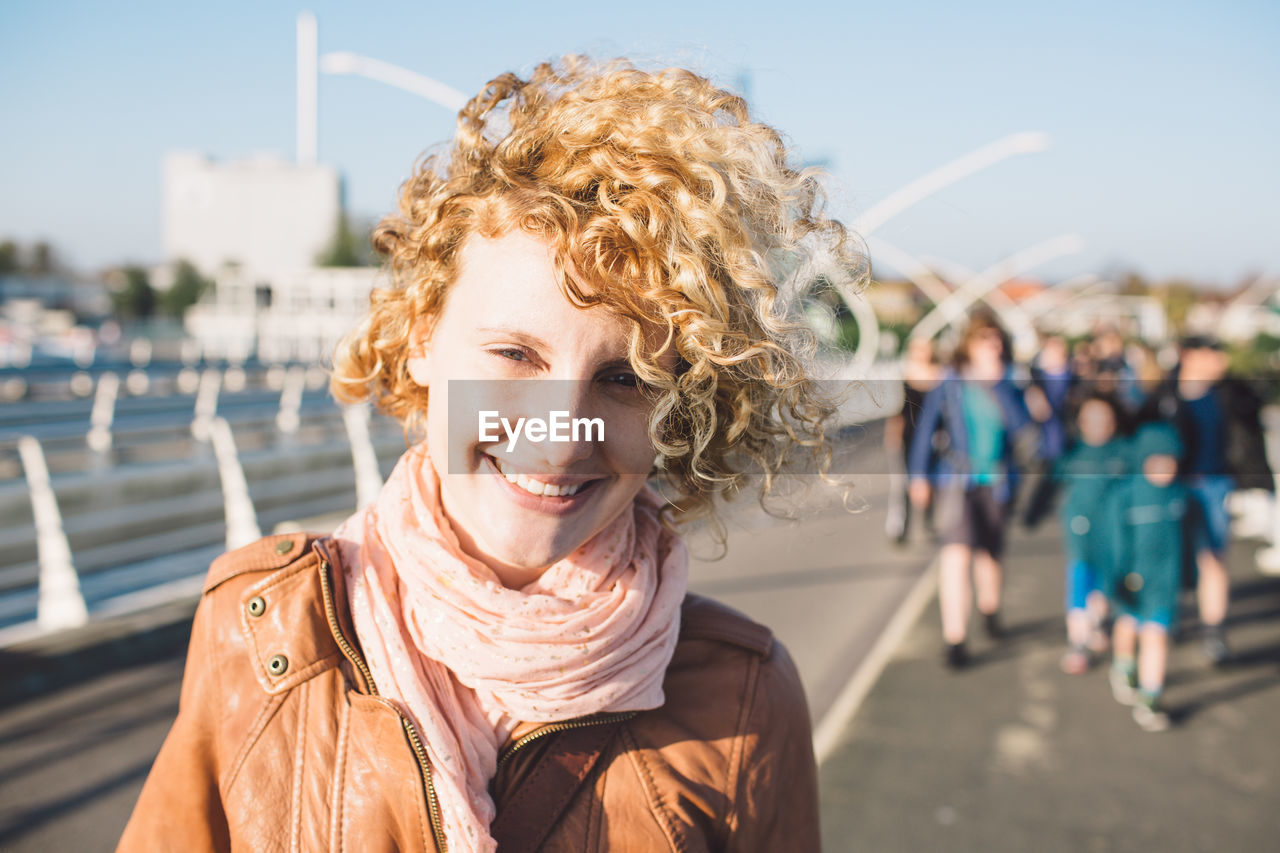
x=269, y=709
x=737, y=758
x=264, y=555
x=706, y=619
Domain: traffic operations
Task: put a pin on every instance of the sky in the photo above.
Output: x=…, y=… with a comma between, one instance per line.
x=1164, y=116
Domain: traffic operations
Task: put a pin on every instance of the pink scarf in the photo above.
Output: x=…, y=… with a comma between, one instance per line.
x=468, y=659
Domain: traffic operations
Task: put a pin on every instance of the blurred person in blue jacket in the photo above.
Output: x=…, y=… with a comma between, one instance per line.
x=981, y=412
x=1052, y=397
x=1223, y=448
x=1111, y=371
x=1148, y=515
x=1052, y=376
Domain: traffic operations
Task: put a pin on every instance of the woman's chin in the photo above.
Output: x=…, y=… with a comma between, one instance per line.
x=527, y=558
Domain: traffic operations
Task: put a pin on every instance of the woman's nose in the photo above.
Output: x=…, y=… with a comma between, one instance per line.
x=574, y=431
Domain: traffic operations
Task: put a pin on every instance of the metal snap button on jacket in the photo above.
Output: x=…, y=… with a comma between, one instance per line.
x=257, y=606
x=278, y=665
x=284, y=546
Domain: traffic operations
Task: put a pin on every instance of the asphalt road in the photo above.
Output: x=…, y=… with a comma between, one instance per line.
x=72, y=763
x=1013, y=755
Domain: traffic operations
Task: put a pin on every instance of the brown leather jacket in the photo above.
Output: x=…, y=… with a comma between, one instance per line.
x=283, y=743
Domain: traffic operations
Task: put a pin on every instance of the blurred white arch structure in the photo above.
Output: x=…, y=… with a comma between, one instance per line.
x=1262, y=289
x=1076, y=286
x=916, y=271
x=344, y=62
x=1027, y=142
x=1012, y=316
x=311, y=65
x=954, y=307
x=308, y=90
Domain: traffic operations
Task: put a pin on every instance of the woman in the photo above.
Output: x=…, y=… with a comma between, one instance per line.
x=499, y=650
x=981, y=411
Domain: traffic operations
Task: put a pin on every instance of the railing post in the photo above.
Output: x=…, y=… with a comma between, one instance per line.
x=104, y=412
x=295, y=381
x=242, y=519
x=206, y=403
x=363, y=457
x=60, y=603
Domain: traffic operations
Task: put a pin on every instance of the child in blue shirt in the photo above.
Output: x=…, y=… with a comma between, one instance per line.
x=1089, y=472
x=1148, y=512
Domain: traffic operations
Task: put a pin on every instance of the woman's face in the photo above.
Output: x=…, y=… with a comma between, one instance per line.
x=986, y=353
x=920, y=352
x=522, y=505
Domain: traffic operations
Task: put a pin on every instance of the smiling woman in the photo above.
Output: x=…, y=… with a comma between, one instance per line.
x=499, y=652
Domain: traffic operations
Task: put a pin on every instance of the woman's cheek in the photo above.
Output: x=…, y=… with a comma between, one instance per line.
x=629, y=449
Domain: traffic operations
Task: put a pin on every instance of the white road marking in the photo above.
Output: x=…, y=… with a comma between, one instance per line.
x=833, y=724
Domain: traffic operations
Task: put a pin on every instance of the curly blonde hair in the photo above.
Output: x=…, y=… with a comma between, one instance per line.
x=681, y=212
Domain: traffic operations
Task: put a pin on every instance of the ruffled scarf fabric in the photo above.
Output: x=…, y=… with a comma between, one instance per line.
x=467, y=658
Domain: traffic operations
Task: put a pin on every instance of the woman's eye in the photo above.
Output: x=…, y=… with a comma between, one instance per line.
x=511, y=354
x=624, y=380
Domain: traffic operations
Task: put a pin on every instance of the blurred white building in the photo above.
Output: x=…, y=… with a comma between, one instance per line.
x=1077, y=315
x=1235, y=320
x=257, y=228
x=266, y=215
x=295, y=316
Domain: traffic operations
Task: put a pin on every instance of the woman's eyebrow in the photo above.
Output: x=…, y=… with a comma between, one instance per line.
x=538, y=343
x=521, y=335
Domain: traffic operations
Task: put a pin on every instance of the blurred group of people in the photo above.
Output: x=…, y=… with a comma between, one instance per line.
x=1138, y=459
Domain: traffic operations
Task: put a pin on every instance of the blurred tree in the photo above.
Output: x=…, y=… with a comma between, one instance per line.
x=187, y=288
x=1258, y=362
x=1133, y=284
x=8, y=257
x=348, y=248
x=42, y=259
x=135, y=298
x=1177, y=298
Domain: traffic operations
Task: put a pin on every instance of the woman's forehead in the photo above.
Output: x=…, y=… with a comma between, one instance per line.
x=511, y=283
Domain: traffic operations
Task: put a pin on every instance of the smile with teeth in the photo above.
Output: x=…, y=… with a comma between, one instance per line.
x=536, y=487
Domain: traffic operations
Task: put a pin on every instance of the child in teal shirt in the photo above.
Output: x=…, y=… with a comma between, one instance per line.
x=1090, y=471
x=1148, y=513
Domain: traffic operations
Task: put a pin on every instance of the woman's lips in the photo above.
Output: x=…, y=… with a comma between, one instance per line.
x=561, y=496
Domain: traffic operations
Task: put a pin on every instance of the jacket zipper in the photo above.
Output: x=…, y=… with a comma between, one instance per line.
x=552, y=728
x=420, y=753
